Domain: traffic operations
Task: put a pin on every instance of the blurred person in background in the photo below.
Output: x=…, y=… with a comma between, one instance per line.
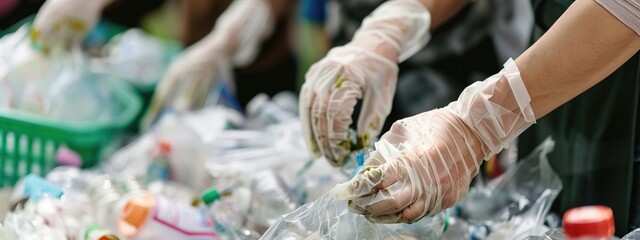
x=245, y=40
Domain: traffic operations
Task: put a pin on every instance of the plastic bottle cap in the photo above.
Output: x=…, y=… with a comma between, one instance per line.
x=210, y=195
x=35, y=187
x=589, y=221
x=68, y=157
x=137, y=209
x=164, y=147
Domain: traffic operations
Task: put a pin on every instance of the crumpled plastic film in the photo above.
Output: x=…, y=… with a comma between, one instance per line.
x=326, y=218
x=515, y=205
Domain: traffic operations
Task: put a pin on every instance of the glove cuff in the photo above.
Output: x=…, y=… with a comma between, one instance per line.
x=497, y=109
x=404, y=24
x=242, y=27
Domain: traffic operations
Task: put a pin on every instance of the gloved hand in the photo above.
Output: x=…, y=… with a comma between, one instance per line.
x=363, y=69
x=61, y=23
x=234, y=41
x=425, y=163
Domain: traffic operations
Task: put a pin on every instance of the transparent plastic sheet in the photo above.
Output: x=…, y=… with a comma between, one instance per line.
x=326, y=218
x=515, y=205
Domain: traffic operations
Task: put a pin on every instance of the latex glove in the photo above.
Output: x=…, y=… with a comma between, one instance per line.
x=363, y=69
x=61, y=23
x=425, y=163
x=234, y=41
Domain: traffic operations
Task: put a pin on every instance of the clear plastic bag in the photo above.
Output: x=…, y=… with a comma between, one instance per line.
x=327, y=218
x=515, y=205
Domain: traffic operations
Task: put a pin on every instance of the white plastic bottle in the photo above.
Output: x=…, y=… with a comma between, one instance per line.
x=150, y=216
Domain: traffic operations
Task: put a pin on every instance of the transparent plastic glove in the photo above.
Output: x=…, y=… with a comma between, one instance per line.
x=190, y=79
x=365, y=69
x=62, y=23
x=425, y=163
x=234, y=41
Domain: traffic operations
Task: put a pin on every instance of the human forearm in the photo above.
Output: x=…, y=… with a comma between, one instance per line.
x=442, y=11
x=583, y=47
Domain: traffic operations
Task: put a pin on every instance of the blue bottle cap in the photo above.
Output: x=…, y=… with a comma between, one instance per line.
x=36, y=186
x=360, y=162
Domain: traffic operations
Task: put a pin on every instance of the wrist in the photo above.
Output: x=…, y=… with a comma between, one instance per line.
x=376, y=45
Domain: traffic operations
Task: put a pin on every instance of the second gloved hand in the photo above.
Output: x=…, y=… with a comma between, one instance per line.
x=364, y=69
x=61, y=23
x=234, y=41
x=190, y=78
x=425, y=163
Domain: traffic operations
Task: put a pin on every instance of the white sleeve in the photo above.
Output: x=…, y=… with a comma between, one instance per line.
x=627, y=11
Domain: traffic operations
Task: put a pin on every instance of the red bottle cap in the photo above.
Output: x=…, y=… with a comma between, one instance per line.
x=164, y=147
x=588, y=221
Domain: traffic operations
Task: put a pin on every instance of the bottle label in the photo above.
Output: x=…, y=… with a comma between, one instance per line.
x=184, y=219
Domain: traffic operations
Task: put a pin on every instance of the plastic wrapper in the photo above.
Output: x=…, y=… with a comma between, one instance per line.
x=326, y=218
x=515, y=205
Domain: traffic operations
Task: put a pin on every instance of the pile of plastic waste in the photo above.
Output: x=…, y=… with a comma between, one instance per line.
x=218, y=174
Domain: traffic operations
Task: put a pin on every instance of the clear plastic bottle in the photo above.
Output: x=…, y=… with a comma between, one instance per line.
x=105, y=197
x=228, y=217
x=159, y=167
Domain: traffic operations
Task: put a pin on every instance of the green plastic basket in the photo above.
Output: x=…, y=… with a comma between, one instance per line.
x=101, y=34
x=28, y=142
